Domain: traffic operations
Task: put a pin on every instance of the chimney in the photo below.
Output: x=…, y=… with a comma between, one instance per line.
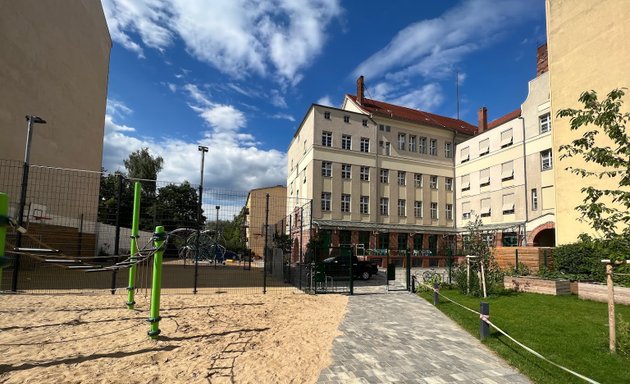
x=483, y=120
x=542, y=65
x=360, y=90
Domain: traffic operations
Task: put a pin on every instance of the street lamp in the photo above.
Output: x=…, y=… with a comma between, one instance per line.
x=30, y=120
x=203, y=151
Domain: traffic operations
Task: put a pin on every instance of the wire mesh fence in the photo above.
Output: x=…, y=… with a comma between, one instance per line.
x=79, y=229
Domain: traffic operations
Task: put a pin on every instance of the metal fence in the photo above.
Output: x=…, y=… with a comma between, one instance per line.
x=225, y=241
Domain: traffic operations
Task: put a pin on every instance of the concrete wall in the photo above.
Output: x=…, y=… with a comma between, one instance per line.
x=588, y=49
x=54, y=63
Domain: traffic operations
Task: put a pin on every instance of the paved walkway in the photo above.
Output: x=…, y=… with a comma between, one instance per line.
x=399, y=338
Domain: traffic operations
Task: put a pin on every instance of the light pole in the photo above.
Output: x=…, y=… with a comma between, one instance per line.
x=30, y=120
x=203, y=151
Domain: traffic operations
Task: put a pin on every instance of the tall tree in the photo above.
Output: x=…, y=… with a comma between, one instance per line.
x=606, y=209
x=141, y=165
x=177, y=206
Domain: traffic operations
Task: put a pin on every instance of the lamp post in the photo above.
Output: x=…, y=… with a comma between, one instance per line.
x=203, y=151
x=30, y=120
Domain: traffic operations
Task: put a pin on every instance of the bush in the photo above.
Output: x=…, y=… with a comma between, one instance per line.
x=494, y=280
x=580, y=260
x=623, y=336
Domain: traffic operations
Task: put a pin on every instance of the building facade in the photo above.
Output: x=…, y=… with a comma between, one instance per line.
x=256, y=216
x=54, y=63
x=380, y=176
x=505, y=173
x=588, y=50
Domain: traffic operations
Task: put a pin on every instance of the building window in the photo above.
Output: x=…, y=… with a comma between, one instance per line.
x=534, y=199
x=325, y=201
x=510, y=239
x=345, y=202
x=448, y=184
x=506, y=138
x=434, y=211
x=464, y=155
x=402, y=141
x=402, y=207
x=484, y=147
x=365, y=144
x=545, y=160
x=402, y=178
x=545, y=123
x=327, y=115
x=508, y=204
x=384, y=206
x=417, y=180
x=346, y=119
x=486, y=209
x=466, y=210
x=385, y=176
x=384, y=128
x=304, y=173
x=346, y=170
x=449, y=211
x=433, y=147
x=326, y=168
x=412, y=143
x=484, y=177
x=386, y=147
x=346, y=142
x=364, y=205
x=365, y=173
x=433, y=182
x=465, y=183
x=507, y=171
x=422, y=145
x=417, y=209
x=327, y=139
x=365, y=122
x=448, y=149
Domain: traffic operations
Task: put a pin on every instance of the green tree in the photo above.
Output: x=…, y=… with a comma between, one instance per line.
x=607, y=210
x=141, y=165
x=176, y=206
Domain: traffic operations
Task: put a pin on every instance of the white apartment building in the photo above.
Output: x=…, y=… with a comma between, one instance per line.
x=504, y=174
x=380, y=175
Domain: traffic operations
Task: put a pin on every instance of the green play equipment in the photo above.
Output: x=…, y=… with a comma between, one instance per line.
x=159, y=237
x=135, y=224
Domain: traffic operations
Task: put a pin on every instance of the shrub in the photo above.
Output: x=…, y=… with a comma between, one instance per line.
x=580, y=260
x=623, y=336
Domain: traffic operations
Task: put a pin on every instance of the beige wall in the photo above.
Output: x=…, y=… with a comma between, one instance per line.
x=257, y=203
x=54, y=62
x=588, y=49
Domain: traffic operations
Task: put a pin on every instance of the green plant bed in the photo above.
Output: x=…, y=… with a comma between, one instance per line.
x=564, y=329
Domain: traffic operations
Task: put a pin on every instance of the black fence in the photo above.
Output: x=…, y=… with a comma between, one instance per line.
x=79, y=234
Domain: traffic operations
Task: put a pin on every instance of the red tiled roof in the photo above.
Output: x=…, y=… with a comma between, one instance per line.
x=415, y=116
x=504, y=119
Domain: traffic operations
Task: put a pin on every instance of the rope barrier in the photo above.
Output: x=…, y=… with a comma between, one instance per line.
x=486, y=319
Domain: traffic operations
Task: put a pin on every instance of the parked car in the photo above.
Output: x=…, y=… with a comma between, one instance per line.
x=339, y=266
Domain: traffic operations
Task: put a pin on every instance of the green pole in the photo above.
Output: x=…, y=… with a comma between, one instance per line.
x=159, y=237
x=131, y=288
x=4, y=222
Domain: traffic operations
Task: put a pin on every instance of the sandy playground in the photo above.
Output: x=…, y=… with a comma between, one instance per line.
x=279, y=337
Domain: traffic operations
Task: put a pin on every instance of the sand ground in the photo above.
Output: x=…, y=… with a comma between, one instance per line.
x=280, y=337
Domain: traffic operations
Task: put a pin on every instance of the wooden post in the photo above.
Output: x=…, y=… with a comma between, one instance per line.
x=483, y=279
x=611, y=308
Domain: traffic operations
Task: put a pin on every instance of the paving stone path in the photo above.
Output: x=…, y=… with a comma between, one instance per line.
x=399, y=338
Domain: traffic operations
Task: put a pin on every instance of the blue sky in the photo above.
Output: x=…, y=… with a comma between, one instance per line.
x=239, y=75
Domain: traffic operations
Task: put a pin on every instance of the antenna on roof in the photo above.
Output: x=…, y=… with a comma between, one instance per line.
x=457, y=91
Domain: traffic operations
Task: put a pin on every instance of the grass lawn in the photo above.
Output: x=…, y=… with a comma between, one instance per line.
x=564, y=329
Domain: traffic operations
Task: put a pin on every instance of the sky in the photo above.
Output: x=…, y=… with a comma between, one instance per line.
x=238, y=76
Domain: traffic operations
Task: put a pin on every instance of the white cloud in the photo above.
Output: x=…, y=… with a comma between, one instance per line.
x=325, y=101
x=233, y=161
x=426, y=98
x=117, y=108
x=238, y=37
x=430, y=50
x=283, y=116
